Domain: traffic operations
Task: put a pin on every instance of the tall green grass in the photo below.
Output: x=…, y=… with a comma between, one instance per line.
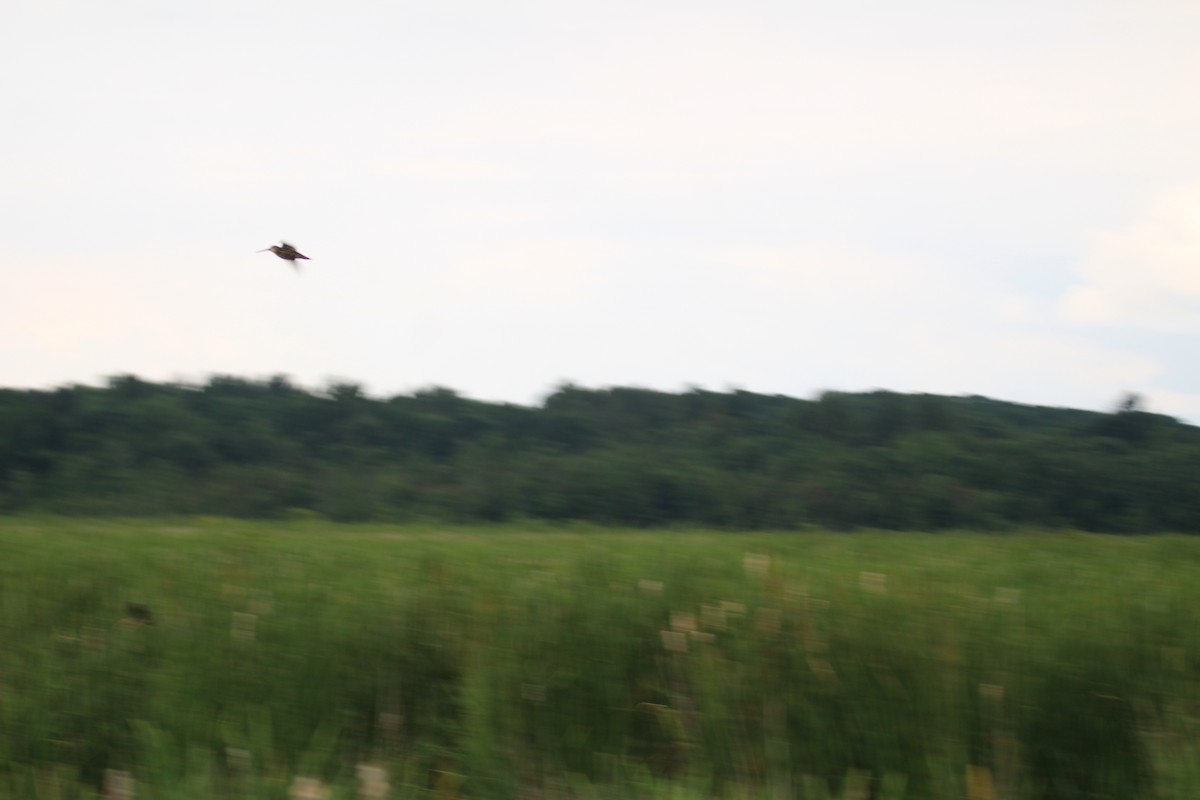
x=516, y=662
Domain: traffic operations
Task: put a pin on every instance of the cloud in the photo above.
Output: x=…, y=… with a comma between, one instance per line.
x=538, y=270
x=865, y=321
x=247, y=166
x=724, y=92
x=1145, y=275
x=151, y=312
x=908, y=292
x=1185, y=405
x=445, y=169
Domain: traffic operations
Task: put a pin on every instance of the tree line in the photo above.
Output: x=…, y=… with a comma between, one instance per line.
x=620, y=456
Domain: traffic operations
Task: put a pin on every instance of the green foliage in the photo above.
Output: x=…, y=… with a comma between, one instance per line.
x=509, y=662
x=623, y=456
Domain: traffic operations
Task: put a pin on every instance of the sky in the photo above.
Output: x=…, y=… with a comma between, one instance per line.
x=780, y=196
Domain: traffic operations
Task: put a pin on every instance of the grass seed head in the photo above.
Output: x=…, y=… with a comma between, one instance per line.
x=683, y=621
x=979, y=783
x=873, y=582
x=674, y=641
x=372, y=782
x=757, y=565
x=308, y=789
x=118, y=785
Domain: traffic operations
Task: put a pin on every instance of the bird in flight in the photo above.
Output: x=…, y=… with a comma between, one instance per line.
x=286, y=252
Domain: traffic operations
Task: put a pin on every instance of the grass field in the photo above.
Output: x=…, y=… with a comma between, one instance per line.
x=307, y=659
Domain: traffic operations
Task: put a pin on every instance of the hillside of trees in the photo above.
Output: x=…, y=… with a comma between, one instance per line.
x=624, y=456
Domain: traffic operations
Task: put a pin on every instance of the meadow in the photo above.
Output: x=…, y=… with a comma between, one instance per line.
x=200, y=658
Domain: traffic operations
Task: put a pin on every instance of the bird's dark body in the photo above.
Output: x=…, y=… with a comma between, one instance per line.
x=286, y=252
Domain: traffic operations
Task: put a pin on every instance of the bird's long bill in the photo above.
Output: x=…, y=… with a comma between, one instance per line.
x=264, y=250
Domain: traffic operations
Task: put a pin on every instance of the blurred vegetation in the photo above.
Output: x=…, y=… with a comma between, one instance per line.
x=220, y=658
x=622, y=456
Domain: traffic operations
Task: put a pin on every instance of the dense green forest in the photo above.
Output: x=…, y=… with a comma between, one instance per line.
x=615, y=456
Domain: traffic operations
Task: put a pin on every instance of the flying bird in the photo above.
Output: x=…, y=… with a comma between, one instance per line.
x=286, y=252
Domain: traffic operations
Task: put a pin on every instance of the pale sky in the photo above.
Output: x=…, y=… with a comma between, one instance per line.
x=781, y=196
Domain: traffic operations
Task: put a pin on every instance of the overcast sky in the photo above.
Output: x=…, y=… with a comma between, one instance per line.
x=783, y=196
